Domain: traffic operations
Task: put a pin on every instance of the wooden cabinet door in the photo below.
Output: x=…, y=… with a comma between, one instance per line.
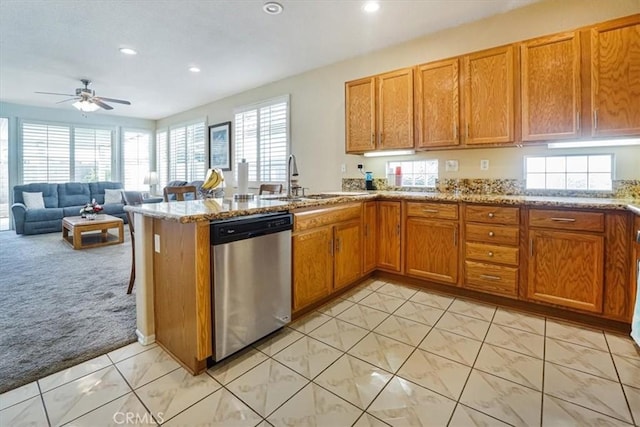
x=312, y=266
x=388, y=235
x=551, y=87
x=395, y=109
x=437, y=95
x=369, y=237
x=566, y=268
x=348, y=249
x=615, y=77
x=488, y=96
x=432, y=249
x=360, y=112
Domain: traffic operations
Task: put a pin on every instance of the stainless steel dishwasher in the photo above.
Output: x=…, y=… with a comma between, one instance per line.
x=251, y=264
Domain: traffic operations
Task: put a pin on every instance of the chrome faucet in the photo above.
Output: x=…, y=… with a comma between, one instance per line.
x=292, y=170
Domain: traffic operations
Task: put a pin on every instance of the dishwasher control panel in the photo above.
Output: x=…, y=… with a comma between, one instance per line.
x=247, y=227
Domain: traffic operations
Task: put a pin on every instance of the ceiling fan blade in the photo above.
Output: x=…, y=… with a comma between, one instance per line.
x=117, y=101
x=67, y=100
x=101, y=104
x=55, y=93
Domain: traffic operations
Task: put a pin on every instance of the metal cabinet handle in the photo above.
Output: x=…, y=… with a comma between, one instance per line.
x=430, y=210
x=595, y=119
x=467, y=130
x=331, y=247
x=455, y=235
x=491, y=215
x=373, y=139
x=577, y=120
x=455, y=131
x=564, y=219
x=398, y=229
x=381, y=139
x=491, y=234
x=490, y=277
x=337, y=245
x=490, y=253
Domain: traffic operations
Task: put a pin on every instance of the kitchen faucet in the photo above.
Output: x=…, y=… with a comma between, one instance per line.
x=292, y=170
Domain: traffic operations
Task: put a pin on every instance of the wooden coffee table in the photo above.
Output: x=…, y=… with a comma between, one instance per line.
x=73, y=228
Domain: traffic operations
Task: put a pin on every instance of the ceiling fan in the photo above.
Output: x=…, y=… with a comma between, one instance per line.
x=86, y=99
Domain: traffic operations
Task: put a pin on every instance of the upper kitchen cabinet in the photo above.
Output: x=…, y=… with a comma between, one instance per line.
x=550, y=90
x=437, y=93
x=615, y=77
x=360, y=101
x=489, y=86
x=379, y=112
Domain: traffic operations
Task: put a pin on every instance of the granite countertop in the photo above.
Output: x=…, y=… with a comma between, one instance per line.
x=212, y=209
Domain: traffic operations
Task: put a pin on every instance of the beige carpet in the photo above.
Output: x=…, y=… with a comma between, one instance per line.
x=60, y=306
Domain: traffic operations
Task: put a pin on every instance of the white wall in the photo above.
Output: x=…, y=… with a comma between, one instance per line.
x=317, y=97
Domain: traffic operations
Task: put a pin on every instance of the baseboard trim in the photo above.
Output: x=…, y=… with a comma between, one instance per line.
x=145, y=340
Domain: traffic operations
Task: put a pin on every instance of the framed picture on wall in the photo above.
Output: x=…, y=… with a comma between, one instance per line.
x=220, y=146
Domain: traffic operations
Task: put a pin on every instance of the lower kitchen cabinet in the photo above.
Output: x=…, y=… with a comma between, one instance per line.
x=388, y=236
x=347, y=264
x=432, y=249
x=369, y=223
x=312, y=266
x=566, y=268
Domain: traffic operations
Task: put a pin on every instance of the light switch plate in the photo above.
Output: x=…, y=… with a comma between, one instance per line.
x=451, y=166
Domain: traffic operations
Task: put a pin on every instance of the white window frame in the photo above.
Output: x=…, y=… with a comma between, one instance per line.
x=257, y=106
x=391, y=164
x=165, y=173
x=139, y=186
x=585, y=190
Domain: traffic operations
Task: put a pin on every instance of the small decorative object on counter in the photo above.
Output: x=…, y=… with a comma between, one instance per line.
x=90, y=210
x=368, y=181
x=213, y=186
x=398, y=176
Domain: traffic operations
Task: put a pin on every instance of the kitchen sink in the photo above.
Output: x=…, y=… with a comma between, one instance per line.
x=321, y=196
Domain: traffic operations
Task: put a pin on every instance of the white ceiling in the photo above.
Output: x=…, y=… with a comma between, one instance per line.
x=49, y=45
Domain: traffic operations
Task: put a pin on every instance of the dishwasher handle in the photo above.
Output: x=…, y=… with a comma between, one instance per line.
x=243, y=228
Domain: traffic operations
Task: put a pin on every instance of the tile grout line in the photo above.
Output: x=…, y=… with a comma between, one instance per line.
x=624, y=393
x=44, y=407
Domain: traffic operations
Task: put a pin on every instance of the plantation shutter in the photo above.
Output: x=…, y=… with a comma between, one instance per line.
x=92, y=154
x=262, y=138
x=162, y=158
x=45, y=153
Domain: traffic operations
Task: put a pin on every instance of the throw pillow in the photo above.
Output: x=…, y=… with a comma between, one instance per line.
x=33, y=200
x=112, y=196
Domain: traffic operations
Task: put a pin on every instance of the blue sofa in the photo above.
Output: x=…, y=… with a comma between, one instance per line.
x=60, y=200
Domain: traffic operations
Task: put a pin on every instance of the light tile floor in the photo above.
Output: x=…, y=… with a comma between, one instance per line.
x=382, y=354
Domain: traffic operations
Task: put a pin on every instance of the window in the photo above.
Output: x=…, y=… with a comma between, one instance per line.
x=415, y=173
x=135, y=148
x=180, y=153
x=61, y=153
x=4, y=174
x=92, y=154
x=577, y=172
x=45, y=153
x=262, y=138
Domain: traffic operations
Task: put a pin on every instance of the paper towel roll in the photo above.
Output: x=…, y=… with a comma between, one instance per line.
x=243, y=177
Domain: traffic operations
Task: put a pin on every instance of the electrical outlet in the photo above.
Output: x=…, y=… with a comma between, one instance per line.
x=484, y=165
x=343, y=168
x=360, y=166
x=451, y=166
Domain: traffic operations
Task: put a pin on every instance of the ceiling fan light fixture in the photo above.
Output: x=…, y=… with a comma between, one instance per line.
x=86, y=106
x=272, y=8
x=128, y=51
x=194, y=69
x=371, y=6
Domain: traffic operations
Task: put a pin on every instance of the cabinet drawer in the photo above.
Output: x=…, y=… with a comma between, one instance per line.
x=433, y=210
x=566, y=220
x=492, y=253
x=492, y=214
x=499, y=234
x=306, y=220
x=494, y=279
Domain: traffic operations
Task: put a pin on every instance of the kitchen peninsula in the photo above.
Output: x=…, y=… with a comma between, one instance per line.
x=561, y=256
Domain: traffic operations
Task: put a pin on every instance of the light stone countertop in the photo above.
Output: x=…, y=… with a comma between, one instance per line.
x=213, y=209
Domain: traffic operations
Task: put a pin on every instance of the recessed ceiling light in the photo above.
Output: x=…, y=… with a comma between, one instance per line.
x=272, y=8
x=128, y=51
x=371, y=6
x=194, y=69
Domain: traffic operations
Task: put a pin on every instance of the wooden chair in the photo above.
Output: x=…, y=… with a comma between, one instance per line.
x=180, y=192
x=270, y=189
x=132, y=198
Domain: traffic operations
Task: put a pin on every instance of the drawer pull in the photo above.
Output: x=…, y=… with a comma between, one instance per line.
x=490, y=253
x=430, y=210
x=491, y=234
x=491, y=215
x=490, y=277
x=564, y=219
